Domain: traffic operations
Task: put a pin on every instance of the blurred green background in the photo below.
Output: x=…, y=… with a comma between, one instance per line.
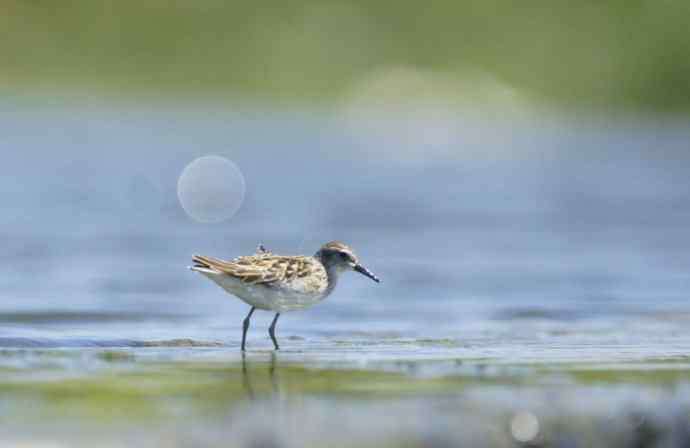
x=625, y=54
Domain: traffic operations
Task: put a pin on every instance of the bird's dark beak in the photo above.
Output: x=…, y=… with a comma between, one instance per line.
x=364, y=271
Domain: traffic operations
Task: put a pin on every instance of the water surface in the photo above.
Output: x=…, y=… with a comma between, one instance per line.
x=528, y=265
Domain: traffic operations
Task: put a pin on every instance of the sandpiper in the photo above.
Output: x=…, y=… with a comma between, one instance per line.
x=280, y=283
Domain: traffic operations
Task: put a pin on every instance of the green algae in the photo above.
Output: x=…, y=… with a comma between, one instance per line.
x=651, y=376
x=139, y=389
x=116, y=356
x=200, y=388
x=127, y=385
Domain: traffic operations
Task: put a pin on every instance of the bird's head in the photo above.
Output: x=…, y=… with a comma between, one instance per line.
x=340, y=257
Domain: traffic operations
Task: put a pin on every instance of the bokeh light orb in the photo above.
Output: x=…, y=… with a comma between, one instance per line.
x=211, y=189
x=524, y=427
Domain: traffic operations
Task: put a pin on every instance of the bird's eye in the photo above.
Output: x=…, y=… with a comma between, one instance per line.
x=344, y=256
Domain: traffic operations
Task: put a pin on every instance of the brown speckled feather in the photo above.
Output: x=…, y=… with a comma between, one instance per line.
x=263, y=268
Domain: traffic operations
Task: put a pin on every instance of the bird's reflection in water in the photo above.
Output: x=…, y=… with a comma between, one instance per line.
x=251, y=379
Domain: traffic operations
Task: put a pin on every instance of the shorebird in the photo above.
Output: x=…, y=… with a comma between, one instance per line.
x=281, y=283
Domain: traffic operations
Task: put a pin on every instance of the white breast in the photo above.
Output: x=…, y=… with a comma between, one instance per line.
x=275, y=297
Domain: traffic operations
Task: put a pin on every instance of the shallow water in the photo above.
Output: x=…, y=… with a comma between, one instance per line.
x=324, y=393
x=528, y=265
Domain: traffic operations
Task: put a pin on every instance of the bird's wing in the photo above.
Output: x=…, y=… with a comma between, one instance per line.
x=258, y=269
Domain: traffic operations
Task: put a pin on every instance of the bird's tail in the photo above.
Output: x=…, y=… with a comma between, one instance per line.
x=203, y=265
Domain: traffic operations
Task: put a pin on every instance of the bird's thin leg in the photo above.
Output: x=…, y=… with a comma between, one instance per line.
x=245, y=326
x=272, y=331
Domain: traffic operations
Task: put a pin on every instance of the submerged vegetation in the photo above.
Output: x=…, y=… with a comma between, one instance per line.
x=132, y=378
x=138, y=392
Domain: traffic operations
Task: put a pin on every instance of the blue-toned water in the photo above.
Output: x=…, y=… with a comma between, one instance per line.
x=539, y=227
x=532, y=266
